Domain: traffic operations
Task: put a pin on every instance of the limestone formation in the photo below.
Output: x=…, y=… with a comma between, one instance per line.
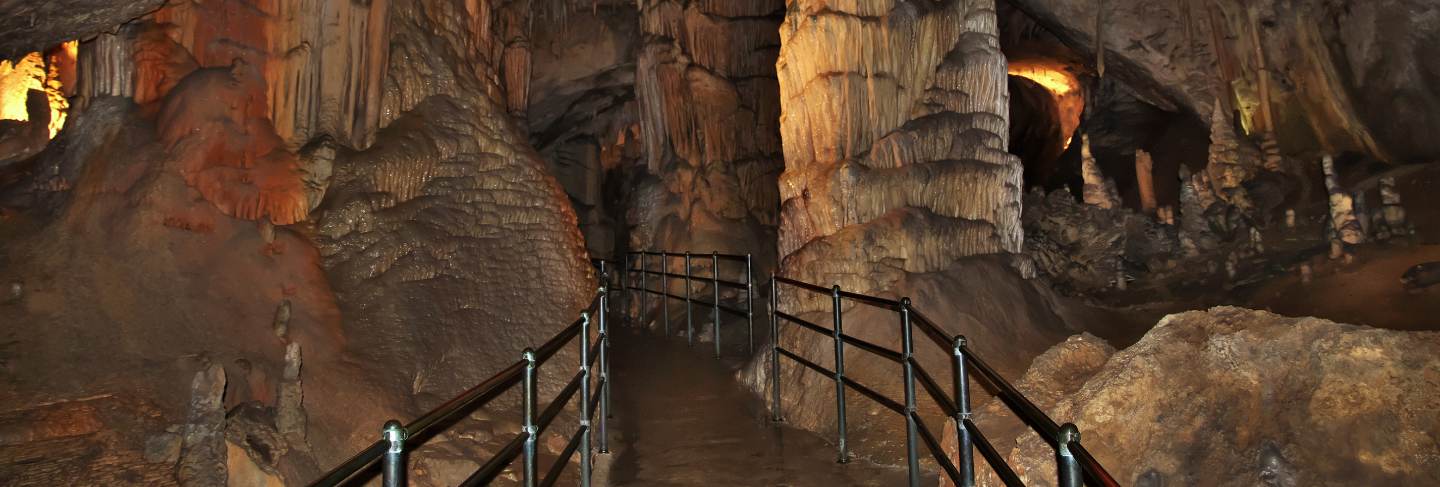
x=1188, y=55
x=1098, y=190
x=1343, y=221
x=1145, y=179
x=290, y=411
x=710, y=126
x=1210, y=377
x=904, y=148
x=1391, y=220
x=202, y=446
x=1225, y=169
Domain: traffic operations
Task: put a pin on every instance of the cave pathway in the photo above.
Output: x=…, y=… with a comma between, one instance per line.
x=681, y=418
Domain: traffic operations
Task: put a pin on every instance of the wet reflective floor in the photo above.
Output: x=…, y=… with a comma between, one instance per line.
x=680, y=418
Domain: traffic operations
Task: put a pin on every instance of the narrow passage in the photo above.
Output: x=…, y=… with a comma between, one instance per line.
x=680, y=418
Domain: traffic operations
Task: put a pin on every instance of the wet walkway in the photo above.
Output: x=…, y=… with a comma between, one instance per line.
x=680, y=418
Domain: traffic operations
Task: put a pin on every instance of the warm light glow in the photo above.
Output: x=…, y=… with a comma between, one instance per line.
x=1061, y=83
x=33, y=73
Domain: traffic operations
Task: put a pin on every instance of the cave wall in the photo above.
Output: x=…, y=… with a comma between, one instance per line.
x=1347, y=76
x=709, y=117
x=425, y=242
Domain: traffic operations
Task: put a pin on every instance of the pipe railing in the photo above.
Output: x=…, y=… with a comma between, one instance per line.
x=1076, y=466
x=398, y=440
x=743, y=306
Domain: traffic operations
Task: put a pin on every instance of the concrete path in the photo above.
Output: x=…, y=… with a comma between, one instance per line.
x=680, y=418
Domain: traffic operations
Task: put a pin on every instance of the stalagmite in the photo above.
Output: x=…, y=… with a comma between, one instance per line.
x=1392, y=215
x=1342, y=208
x=1145, y=178
x=1097, y=191
x=289, y=414
x=1257, y=242
x=281, y=324
x=1290, y=218
x=1307, y=273
x=202, y=448
x=1226, y=172
x=1270, y=150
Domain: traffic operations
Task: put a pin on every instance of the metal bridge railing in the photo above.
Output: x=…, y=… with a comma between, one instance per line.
x=397, y=440
x=662, y=278
x=1076, y=465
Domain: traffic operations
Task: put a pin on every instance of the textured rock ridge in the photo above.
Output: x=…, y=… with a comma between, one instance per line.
x=895, y=157
x=709, y=114
x=1231, y=396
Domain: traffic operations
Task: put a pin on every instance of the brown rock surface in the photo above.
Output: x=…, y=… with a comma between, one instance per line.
x=1231, y=396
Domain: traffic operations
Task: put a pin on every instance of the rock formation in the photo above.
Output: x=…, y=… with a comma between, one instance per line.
x=902, y=146
x=1262, y=395
x=1187, y=55
x=1098, y=191
x=710, y=126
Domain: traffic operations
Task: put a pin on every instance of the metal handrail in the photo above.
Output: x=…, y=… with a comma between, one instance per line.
x=646, y=273
x=1075, y=464
x=396, y=439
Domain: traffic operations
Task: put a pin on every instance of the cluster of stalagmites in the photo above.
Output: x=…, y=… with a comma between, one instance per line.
x=1221, y=213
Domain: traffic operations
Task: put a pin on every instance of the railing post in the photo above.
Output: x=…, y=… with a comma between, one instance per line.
x=528, y=422
x=644, y=289
x=689, y=320
x=715, y=286
x=1069, y=466
x=839, y=375
x=394, y=468
x=585, y=399
x=749, y=305
x=962, y=414
x=665, y=289
x=907, y=351
x=625, y=288
x=774, y=350
x=604, y=370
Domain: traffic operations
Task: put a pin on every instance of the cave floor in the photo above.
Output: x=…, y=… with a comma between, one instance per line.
x=681, y=418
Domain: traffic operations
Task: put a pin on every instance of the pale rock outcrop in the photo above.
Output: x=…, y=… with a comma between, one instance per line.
x=1231, y=396
x=895, y=158
x=709, y=109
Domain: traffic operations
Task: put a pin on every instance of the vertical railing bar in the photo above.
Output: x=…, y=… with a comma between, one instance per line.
x=644, y=290
x=528, y=424
x=715, y=285
x=393, y=471
x=665, y=290
x=689, y=320
x=604, y=371
x=749, y=305
x=839, y=335
x=966, y=453
x=584, y=402
x=907, y=345
x=1068, y=466
x=774, y=351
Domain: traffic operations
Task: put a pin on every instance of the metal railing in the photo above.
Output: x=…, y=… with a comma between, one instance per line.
x=1075, y=465
x=397, y=440
x=663, y=276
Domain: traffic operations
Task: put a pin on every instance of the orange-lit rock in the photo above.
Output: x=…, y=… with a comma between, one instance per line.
x=227, y=151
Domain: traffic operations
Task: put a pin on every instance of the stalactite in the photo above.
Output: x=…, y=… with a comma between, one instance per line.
x=1263, y=70
x=106, y=67
x=1100, y=38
